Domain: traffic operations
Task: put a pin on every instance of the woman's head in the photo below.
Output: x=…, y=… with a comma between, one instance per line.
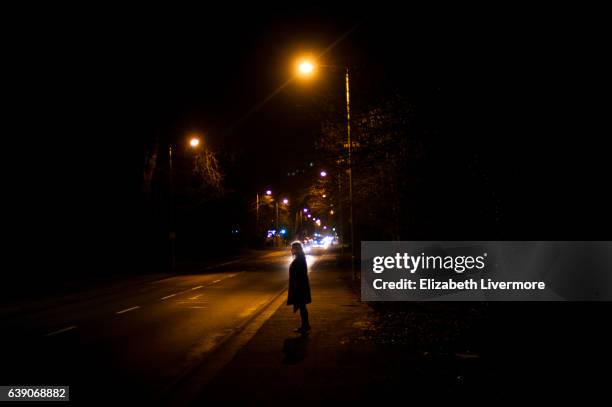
x=297, y=249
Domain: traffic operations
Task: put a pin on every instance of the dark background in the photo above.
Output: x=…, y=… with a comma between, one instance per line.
x=513, y=103
x=511, y=106
x=515, y=98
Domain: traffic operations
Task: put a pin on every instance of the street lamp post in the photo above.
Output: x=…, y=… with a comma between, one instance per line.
x=268, y=194
x=306, y=68
x=350, y=171
x=171, y=232
x=194, y=142
x=276, y=229
x=284, y=202
x=257, y=210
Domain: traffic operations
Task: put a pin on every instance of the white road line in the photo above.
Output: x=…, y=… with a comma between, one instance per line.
x=61, y=331
x=216, y=281
x=168, y=296
x=222, y=264
x=197, y=288
x=229, y=262
x=127, y=310
x=197, y=307
x=196, y=297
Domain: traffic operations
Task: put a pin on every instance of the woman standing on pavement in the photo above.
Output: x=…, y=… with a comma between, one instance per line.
x=299, y=286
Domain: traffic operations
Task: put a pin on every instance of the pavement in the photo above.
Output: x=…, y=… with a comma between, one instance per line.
x=330, y=363
x=340, y=360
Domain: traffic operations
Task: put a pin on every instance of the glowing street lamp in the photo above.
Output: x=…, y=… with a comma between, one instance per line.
x=323, y=174
x=285, y=201
x=194, y=142
x=268, y=193
x=305, y=210
x=305, y=68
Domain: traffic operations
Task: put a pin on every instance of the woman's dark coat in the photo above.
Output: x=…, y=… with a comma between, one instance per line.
x=299, y=287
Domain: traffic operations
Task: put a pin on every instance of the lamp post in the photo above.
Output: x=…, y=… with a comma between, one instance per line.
x=194, y=142
x=306, y=68
x=350, y=170
x=268, y=193
x=285, y=201
x=171, y=231
x=257, y=210
x=323, y=174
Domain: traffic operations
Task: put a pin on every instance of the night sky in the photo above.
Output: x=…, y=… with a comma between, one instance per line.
x=518, y=90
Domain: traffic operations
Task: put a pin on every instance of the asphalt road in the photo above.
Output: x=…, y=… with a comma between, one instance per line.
x=134, y=341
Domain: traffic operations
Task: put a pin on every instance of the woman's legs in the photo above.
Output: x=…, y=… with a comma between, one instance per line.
x=304, y=316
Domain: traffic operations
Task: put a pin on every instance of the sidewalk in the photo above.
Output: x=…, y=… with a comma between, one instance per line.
x=278, y=365
x=338, y=361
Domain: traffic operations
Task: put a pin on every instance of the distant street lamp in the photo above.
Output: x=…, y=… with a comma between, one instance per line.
x=268, y=193
x=194, y=142
x=323, y=174
x=285, y=202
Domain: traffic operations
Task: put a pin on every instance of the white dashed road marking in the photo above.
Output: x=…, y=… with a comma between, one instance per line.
x=127, y=310
x=61, y=331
